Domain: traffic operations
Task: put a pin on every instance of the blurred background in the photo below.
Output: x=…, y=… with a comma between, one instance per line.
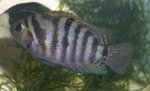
x=19, y=71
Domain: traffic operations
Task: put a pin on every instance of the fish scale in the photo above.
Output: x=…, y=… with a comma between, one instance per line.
x=71, y=41
x=61, y=34
x=94, y=49
x=67, y=26
x=79, y=46
x=77, y=31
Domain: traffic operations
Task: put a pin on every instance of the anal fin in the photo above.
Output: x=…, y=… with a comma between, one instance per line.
x=88, y=68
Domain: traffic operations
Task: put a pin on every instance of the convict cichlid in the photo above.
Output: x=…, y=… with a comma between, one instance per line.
x=63, y=40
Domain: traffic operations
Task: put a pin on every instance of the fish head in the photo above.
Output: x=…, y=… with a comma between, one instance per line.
x=22, y=33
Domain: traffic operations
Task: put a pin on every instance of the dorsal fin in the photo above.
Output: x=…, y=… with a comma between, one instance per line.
x=61, y=14
x=104, y=35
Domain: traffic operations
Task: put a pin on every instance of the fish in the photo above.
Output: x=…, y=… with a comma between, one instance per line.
x=61, y=39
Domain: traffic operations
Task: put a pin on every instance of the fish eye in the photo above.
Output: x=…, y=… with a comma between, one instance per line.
x=19, y=27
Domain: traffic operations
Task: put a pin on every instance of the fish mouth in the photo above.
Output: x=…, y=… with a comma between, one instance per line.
x=32, y=47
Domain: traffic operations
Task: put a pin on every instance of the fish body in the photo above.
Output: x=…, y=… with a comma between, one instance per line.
x=61, y=39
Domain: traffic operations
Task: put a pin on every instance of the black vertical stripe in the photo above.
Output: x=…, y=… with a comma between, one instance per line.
x=94, y=49
x=68, y=23
x=40, y=34
x=31, y=39
x=28, y=32
x=105, y=53
x=26, y=22
x=84, y=44
x=77, y=31
x=55, y=21
x=65, y=44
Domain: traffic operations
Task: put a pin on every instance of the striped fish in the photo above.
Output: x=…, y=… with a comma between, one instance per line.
x=61, y=39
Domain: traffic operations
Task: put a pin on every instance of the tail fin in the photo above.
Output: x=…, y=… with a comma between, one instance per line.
x=119, y=57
